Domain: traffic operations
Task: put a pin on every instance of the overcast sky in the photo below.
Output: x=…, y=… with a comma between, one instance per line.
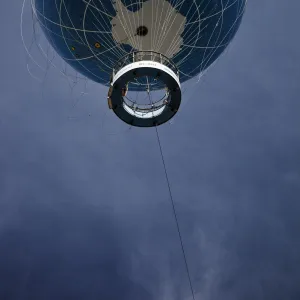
x=85, y=214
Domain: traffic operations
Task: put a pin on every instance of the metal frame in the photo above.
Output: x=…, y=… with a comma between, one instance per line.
x=151, y=64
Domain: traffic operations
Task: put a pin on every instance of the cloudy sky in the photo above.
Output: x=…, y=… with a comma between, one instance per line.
x=84, y=206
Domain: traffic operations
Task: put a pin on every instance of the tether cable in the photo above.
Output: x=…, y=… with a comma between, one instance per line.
x=171, y=198
x=175, y=214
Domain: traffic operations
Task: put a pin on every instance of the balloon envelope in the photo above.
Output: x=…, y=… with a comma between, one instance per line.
x=92, y=36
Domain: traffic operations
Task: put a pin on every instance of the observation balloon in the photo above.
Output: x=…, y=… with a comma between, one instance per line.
x=142, y=46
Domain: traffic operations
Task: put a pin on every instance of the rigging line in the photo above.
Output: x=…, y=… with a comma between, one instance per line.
x=172, y=202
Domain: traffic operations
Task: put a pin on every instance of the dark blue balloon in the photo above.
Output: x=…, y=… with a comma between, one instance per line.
x=93, y=35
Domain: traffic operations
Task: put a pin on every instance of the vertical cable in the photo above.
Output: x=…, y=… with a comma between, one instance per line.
x=175, y=214
x=171, y=198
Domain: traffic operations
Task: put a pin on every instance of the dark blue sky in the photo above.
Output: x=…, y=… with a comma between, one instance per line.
x=86, y=215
